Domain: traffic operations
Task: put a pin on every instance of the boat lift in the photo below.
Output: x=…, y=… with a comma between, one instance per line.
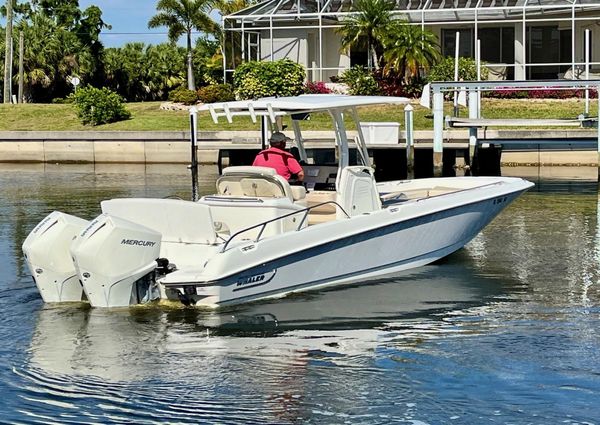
x=475, y=121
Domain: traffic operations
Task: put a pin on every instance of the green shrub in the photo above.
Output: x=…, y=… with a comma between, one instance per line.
x=99, y=106
x=360, y=81
x=253, y=80
x=183, y=95
x=216, y=93
x=62, y=100
x=467, y=70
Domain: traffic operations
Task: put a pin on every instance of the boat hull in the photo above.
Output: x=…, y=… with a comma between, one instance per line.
x=362, y=248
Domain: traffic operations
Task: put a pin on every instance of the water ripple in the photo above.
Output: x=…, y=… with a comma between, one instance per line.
x=504, y=331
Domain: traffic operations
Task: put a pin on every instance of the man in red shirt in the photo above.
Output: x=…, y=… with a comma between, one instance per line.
x=278, y=158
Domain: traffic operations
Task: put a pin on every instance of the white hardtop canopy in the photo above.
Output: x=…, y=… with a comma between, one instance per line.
x=273, y=107
x=280, y=106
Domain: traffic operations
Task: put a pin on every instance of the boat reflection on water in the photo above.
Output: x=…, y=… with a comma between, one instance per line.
x=123, y=344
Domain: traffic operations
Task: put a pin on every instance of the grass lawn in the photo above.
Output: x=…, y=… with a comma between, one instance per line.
x=148, y=117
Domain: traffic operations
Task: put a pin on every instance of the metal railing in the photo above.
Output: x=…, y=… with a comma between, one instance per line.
x=264, y=224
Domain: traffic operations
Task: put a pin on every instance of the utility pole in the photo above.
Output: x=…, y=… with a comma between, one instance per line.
x=21, y=51
x=8, y=50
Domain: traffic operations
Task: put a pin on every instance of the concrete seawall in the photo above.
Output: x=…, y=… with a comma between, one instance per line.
x=153, y=147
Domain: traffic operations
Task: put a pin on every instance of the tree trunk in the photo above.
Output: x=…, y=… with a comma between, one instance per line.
x=375, y=58
x=369, y=56
x=190, y=63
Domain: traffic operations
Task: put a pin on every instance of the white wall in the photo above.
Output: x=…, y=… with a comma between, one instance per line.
x=580, y=27
x=294, y=44
x=289, y=44
x=332, y=56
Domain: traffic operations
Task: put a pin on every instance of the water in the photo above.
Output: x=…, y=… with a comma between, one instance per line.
x=505, y=331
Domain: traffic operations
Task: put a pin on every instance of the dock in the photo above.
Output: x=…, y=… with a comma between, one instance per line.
x=457, y=122
x=476, y=121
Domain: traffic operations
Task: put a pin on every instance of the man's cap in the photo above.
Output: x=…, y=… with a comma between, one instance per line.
x=279, y=137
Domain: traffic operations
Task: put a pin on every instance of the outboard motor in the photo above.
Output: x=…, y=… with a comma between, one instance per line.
x=116, y=261
x=47, y=255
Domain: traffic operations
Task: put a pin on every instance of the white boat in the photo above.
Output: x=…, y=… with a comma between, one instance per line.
x=259, y=237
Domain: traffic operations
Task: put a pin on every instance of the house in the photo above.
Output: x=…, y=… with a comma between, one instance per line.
x=518, y=39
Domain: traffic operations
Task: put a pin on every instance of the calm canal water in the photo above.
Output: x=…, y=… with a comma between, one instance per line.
x=505, y=331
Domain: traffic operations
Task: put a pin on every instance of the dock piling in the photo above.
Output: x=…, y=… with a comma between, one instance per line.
x=410, y=142
x=598, y=129
x=194, y=152
x=473, y=114
x=438, y=130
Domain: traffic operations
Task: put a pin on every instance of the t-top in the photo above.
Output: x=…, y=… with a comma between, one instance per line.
x=283, y=162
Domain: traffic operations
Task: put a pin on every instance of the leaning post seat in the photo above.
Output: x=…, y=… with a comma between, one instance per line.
x=259, y=182
x=262, y=194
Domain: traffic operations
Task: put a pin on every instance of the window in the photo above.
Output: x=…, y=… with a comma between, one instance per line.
x=497, y=44
x=449, y=42
x=543, y=46
x=565, y=55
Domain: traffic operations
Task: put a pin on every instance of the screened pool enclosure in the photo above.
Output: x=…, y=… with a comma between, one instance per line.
x=518, y=39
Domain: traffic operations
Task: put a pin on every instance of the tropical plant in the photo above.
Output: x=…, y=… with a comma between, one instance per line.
x=99, y=106
x=216, y=93
x=233, y=42
x=360, y=81
x=369, y=25
x=467, y=70
x=259, y=79
x=227, y=7
x=61, y=42
x=183, y=95
x=392, y=84
x=164, y=69
x=409, y=49
x=51, y=54
x=88, y=31
x=208, y=62
x=181, y=17
x=125, y=71
x=144, y=72
x=317, y=87
x=64, y=13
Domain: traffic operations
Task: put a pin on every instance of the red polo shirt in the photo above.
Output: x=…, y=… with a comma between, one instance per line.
x=283, y=162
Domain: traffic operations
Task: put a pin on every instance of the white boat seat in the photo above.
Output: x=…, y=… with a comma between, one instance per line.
x=258, y=182
x=261, y=188
x=321, y=213
x=178, y=221
x=298, y=192
x=229, y=187
x=249, y=169
x=358, y=193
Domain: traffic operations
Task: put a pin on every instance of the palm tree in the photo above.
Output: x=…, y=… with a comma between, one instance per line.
x=227, y=7
x=182, y=17
x=50, y=55
x=165, y=69
x=234, y=41
x=369, y=25
x=409, y=48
